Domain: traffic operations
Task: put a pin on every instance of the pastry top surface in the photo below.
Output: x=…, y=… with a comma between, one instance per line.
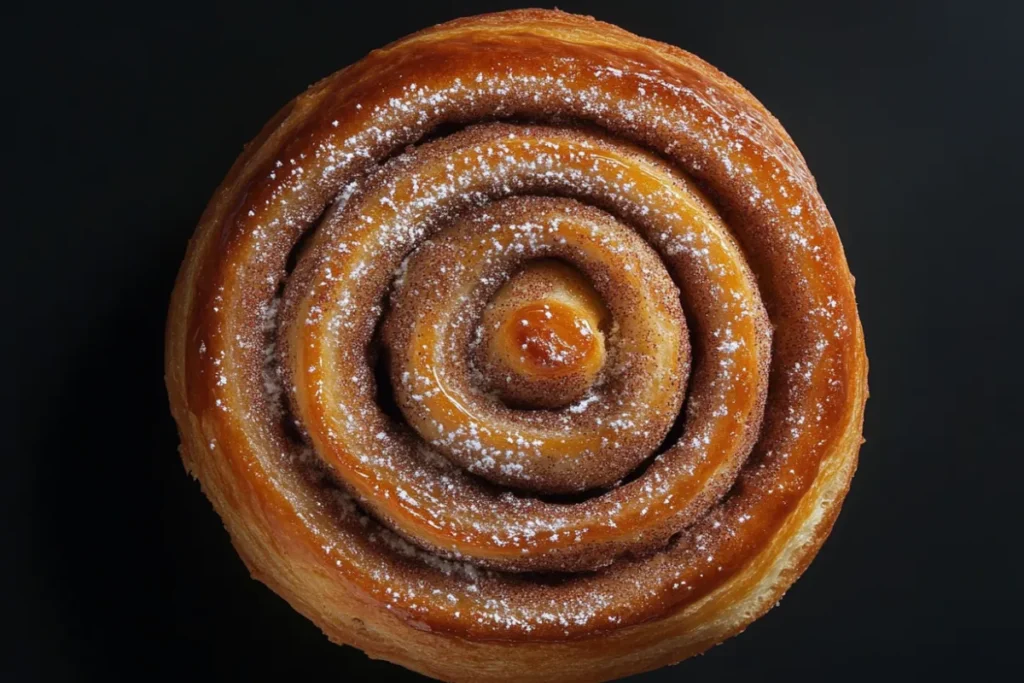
x=665, y=147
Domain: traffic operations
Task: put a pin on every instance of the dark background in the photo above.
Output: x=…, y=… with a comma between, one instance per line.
x=127, y=118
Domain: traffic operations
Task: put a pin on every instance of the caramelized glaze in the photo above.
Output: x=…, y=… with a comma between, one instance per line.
x=551, y=339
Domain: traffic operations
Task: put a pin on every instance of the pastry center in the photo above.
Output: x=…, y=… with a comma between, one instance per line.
x=542, y=344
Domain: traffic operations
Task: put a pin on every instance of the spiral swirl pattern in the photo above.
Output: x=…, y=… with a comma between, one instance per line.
x=521, y=330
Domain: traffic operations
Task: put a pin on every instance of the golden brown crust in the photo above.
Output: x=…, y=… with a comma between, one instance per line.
x=392, y=584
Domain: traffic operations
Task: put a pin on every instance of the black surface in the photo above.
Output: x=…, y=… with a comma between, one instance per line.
x=126, y=119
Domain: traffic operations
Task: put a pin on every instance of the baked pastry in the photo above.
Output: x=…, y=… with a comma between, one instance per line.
x=523, y=349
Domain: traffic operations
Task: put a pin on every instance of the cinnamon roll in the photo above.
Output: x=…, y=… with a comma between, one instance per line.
x=523, y=349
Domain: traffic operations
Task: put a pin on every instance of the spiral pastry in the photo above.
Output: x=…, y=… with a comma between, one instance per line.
x=523, y=349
